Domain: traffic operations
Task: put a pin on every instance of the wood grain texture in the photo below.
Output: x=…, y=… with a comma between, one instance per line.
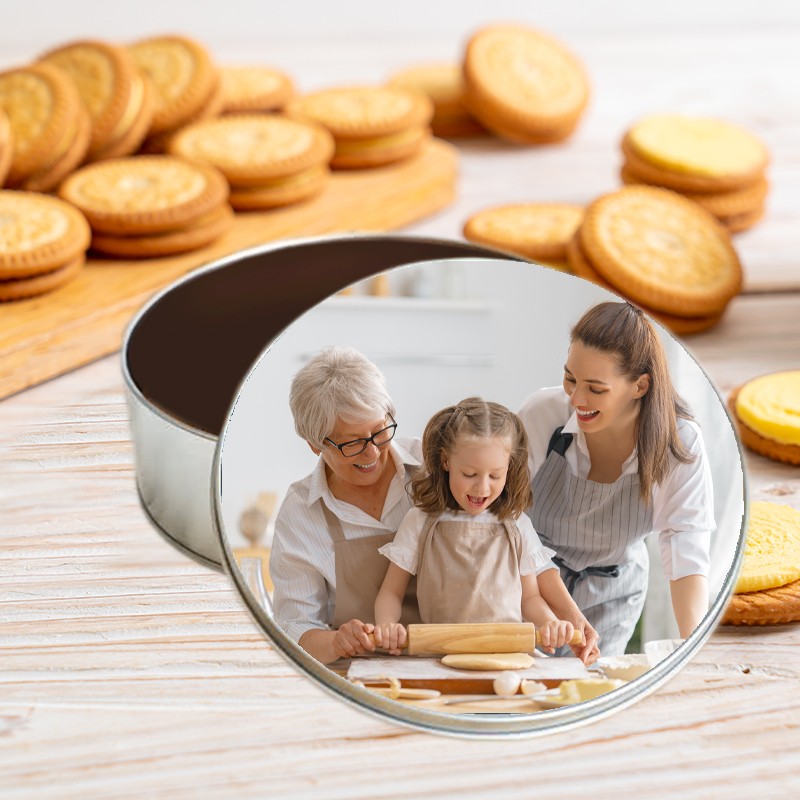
x=128, y=671
x=85, y=319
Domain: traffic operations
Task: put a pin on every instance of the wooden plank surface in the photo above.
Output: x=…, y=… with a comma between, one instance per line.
x=128, y=671
x=85, y=319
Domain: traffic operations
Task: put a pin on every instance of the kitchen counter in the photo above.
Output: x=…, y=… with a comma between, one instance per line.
x=127, y=670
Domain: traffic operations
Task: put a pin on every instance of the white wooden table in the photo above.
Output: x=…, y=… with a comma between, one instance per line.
x=127, y=670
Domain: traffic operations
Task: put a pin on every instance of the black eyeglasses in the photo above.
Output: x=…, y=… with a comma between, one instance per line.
x=357, y=446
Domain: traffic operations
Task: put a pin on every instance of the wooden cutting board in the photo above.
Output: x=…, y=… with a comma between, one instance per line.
x=46, y=336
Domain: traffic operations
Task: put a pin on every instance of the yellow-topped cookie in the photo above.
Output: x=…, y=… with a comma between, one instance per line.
x=772, y=550
x=698, y=145
x=770, y=405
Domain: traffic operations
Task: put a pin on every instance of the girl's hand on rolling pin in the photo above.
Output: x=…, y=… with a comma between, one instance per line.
x=352, y=639
x=587, y=652
x=555, y=633
x=391, y=636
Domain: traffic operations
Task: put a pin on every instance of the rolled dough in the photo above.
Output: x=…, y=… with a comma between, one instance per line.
x=480, y=661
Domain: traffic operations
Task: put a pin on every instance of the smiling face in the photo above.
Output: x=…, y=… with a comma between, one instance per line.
x=602, y=397
x=365, y=469
x=477, y=470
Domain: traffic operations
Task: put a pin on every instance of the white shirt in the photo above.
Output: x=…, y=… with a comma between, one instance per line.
x=302, y=564
x=682, y=504
x=404, y=550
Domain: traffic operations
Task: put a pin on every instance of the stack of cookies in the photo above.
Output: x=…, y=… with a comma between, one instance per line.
x=768, y=588
x=444, y=85
x=186, y=82
x=254, y=88
x=118, y=98
x=50, y=127
x=268, y=159
x=524, y=85
x=718, y=165
x=43, y=244
x=148, y=206
x=371, y=125
x=661, y=251
x=767, y=414
x=537, y=231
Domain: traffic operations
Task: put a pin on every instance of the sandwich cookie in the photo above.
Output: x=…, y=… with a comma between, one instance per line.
x=717, y=164
x=371, y=125
x=115, y=94
x=444, y=85
x=43, y=242
x=269, y=160
x=524, y=85
x=150, y=197
x=49, y=125
x=768, y=588
x=767, y=414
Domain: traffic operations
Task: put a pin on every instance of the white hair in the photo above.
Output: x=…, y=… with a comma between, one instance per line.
x=338, y=383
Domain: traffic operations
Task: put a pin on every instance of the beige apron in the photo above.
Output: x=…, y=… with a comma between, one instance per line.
x=469, y=572
x=360, y=570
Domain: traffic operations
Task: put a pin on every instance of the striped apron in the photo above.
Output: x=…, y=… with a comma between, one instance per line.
x=598, y=531
x=469, y=571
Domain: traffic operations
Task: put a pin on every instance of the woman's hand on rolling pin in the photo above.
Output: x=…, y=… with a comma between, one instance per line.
x=353, y=639
x=555, y=633
x=390, y=636
x=588, y=652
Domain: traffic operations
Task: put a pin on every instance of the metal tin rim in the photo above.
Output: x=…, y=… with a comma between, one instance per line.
x=483, y=726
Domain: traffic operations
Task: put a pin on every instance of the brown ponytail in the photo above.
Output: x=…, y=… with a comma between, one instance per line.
x=624, y=331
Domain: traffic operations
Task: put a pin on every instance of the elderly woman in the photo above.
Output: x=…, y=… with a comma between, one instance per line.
x=325, y=564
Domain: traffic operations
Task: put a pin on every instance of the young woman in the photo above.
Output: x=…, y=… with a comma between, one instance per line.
x=468, y=541
x=615, y=456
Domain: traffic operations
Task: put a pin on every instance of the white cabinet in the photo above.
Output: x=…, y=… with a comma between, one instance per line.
x=432, y=352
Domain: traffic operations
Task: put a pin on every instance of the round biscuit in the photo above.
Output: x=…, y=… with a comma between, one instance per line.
x=254, y=88
x=665, y=251
x=523, y=84
x=144, y=194
x=183, y=75
x=38, y=234
x=200, y=233
x=742, y=222
x=23, y=288
x=359, y=112
x=533, y=230
x=41, y=103
x=680, y=326
x=251, y=148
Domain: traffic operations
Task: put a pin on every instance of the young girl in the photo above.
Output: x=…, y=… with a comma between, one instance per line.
x=473, y=550
x=615, y=456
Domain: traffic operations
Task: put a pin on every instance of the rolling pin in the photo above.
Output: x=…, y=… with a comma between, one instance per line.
x=492, y=637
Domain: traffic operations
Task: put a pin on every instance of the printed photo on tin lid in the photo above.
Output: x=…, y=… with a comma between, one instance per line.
x=481, y=496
